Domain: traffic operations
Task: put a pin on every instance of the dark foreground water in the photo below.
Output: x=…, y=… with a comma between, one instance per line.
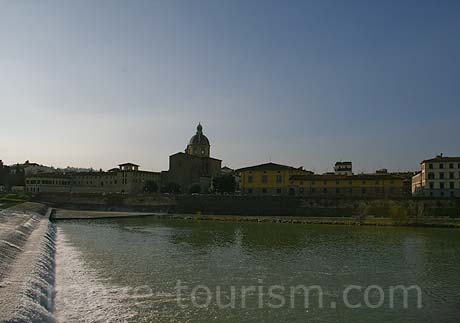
x=151, y=270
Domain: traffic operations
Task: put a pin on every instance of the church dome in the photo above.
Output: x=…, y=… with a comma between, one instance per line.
x=199, y=138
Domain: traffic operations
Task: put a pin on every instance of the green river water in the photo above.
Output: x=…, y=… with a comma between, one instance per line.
x=129, y=270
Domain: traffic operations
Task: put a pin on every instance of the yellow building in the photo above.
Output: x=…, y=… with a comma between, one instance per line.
x=269, y=178
x=372, y=185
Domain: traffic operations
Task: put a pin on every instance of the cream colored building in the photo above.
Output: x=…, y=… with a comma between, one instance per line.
x=127, y=178
x=439, y=177
x=343, y=168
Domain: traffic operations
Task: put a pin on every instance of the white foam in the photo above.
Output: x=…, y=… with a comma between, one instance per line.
x=80, y=295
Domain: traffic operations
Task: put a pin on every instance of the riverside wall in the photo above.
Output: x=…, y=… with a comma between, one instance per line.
x=257, y=205
x=27, y=250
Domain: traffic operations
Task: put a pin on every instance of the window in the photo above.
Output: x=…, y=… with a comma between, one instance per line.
x=441, y=175
x=264, y=190
x=430, y=166
x=451, y=175
x=250, y=179
x=264, y=179
x=441, y=166
x=451, y=185
x=325, y=190
x=431, y=175
x=278, y=190
x=441, y=186
x=431, y=185
x=451, y=165
x=279, y=179
x=363, y=190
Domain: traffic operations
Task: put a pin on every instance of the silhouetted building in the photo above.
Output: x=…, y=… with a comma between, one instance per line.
x=194, y=166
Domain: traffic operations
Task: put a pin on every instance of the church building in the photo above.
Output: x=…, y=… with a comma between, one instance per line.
x=194, y=166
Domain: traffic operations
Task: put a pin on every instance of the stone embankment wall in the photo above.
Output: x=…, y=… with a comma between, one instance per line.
x=110, y=202
x=259, y=205
x=27, y=251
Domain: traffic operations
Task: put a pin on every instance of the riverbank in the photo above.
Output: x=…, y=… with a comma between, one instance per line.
x=63, y=214
x=27, y=263
x=278, y=206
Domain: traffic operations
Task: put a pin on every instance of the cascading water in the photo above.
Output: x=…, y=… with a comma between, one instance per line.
x=27, y=265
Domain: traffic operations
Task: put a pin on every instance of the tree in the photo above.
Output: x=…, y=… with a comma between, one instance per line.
x=171, y=187
x=224, y=183
x=195, y=189
x=151, y=187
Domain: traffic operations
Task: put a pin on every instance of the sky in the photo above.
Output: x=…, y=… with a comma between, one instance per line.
x=305, y=83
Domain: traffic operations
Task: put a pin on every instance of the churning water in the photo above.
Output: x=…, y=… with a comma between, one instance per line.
x=128, y=270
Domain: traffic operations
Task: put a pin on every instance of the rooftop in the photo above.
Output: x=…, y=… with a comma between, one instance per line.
x=269, y=166
x=343, y=163
x=128, y=164
x=441, y=158
x=49, y=175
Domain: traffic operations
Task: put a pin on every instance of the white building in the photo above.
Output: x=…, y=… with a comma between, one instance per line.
x=343, y=168
x=439, y=177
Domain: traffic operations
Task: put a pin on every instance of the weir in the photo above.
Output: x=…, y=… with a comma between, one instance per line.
x=27, y=264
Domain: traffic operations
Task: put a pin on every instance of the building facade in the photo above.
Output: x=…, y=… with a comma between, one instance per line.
x=269, y=178
x=439, y=177
x=343, y=168
x=49, y=183
x=331, y=185
x=194, y=166
x=127, y=178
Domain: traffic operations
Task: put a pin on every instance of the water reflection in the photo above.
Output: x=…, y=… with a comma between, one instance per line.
x=158, y=252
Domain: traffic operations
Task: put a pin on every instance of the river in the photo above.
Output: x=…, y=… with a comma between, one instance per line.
x=157, y=270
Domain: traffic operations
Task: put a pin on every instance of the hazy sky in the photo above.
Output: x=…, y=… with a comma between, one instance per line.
x=304, y=83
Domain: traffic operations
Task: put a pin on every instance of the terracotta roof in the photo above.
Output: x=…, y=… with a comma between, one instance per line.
x=442, y=159
x=347, y=163
x=128, y=164
x=268, y=166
